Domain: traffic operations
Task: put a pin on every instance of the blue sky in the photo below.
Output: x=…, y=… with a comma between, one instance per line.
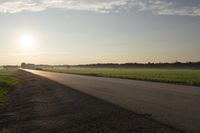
x=100, y=31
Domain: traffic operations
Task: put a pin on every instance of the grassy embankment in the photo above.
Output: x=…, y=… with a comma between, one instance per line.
x=8, y=80
x=181, y=76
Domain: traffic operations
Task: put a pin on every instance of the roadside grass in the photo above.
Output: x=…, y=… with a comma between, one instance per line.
x=8, y=80
x=180, y=76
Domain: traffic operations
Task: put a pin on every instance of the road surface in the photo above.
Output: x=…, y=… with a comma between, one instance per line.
x=177, y=105
x=40, y=105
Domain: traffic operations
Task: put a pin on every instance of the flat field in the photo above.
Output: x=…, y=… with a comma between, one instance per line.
x=8, y=80
x=180, y=76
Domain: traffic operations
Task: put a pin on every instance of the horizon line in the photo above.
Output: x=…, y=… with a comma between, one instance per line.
x=104, y=63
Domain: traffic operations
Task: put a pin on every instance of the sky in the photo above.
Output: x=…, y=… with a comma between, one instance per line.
x=99, y=31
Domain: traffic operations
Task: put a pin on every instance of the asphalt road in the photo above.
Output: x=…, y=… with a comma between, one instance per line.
x=177, y=105
x=40, y=105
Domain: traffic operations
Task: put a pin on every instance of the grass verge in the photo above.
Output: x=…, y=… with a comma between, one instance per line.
x=8, y=80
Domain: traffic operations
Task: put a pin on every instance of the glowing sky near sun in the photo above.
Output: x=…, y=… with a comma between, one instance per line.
x=27, y=41
x=80, y=32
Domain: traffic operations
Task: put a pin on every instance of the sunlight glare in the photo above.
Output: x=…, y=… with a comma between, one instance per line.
x=27, y=41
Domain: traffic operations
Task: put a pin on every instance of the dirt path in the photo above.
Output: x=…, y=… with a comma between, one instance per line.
x=39, y=105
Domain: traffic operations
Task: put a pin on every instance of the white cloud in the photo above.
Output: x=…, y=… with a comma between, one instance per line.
x=160, y=7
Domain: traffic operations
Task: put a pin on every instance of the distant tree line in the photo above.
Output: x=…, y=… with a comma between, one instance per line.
x=194, y=65
x=33, y=66
x=10, y=67
x=145, y=65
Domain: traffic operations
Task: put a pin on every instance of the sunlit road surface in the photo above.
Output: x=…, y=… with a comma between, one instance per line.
x=177, y=105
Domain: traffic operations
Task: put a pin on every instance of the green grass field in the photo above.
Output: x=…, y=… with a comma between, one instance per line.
x=181, y=76
x=8, y=80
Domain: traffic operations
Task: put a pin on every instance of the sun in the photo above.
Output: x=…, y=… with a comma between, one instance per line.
x=27, y=41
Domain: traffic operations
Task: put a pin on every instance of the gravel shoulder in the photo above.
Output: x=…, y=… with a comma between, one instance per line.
x=40, y=105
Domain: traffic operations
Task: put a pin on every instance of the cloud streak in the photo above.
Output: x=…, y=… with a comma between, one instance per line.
x=159, y=7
